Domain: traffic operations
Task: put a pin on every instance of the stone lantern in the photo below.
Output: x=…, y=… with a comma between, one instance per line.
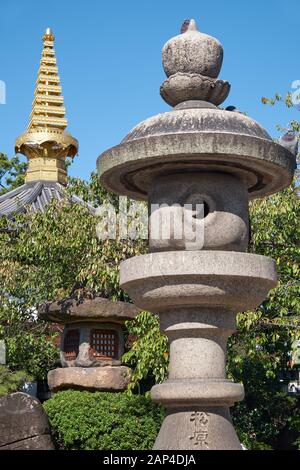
x=92, y=344
x=200, y=164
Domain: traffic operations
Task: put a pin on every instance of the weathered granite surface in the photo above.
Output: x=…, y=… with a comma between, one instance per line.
x=196, y=429
x=175, y=279
x=196, y=139
x=97, y=308
x=197, y=295
x=182, y=87
x=106, y=379
x=221, y=224
x=195, y=154
x=193, y=52
x=23, y=424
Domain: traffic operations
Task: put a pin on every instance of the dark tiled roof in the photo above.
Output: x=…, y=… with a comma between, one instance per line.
x=35, y=196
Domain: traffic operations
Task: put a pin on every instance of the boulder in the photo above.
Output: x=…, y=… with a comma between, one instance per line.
x=23, y=423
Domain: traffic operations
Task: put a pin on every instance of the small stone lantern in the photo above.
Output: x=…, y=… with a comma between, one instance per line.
x=92, y=344
x=200, y=163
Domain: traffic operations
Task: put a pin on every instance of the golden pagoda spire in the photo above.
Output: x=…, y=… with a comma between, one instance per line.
x=46, y=144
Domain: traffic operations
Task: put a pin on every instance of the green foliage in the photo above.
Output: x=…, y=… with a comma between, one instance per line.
x=11, y=381
x=266, y=412
x=92, y=191
x=103, y=421
x=294, y=426
x=148, y=356
x=56, y=254
x=33, y=349
x=258, y=353
x=29, y=341
x=248, y=438
x=12, y=173
x=50, y=256
x=286, y=100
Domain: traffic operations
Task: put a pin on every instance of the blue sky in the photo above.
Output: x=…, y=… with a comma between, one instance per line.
x=109, y=58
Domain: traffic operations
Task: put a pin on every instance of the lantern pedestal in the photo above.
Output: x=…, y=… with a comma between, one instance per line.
x=197, y=299
x=197, y=428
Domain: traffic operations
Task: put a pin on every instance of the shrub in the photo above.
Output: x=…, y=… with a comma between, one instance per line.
x=82, y=420
x=11, y=381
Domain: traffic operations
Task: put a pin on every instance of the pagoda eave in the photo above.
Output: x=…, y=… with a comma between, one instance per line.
x=39, y=138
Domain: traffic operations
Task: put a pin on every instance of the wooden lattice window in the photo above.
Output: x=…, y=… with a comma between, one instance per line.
x=104, y=344
x=71, y=344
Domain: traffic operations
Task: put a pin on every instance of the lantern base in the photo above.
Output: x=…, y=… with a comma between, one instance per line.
x=105, y=379
x=197, y=428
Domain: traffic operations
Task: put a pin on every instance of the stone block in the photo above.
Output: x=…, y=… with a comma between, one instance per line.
x=105, y=379
x=23, y=423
